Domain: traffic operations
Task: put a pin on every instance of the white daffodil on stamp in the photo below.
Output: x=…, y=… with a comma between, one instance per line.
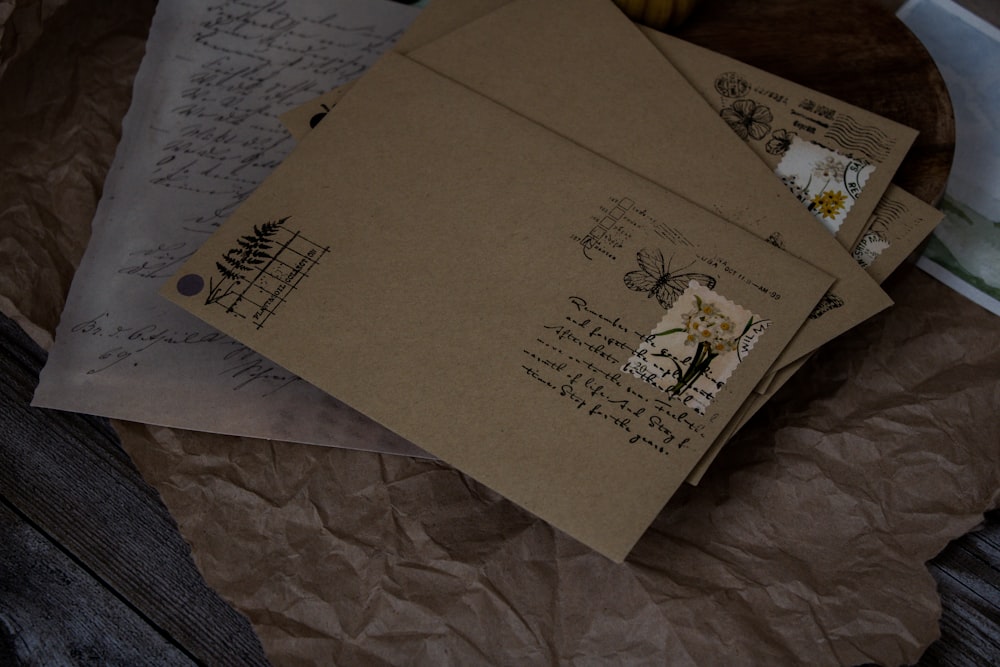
x=826, y=181
x=694, y=349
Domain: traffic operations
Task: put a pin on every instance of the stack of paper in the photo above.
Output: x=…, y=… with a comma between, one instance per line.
x=525, y=241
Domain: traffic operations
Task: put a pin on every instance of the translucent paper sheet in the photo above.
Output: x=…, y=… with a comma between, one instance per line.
x=201, y=133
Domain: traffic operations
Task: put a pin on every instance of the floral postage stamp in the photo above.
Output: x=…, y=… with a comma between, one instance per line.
x=696, y=346
x=826, y=181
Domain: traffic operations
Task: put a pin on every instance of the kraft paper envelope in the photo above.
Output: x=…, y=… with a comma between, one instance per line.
x=443, y=15
x=837, y=158
x=883, y=222
x=510, y=301
x=583, y=70
x=898, y=226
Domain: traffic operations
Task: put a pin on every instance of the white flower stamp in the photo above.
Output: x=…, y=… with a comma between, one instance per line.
x=696, y=346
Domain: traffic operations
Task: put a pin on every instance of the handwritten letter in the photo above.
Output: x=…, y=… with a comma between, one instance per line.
x=201, y=134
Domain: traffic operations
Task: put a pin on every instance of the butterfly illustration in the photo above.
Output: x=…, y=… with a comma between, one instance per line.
x=654, y=278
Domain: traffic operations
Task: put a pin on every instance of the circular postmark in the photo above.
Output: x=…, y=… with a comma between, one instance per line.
x=750, y=337
x=731, y=84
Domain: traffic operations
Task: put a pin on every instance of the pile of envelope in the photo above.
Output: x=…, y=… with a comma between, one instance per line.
x=565, y=254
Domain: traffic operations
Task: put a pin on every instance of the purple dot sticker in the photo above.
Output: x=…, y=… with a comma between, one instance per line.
x=190, y=284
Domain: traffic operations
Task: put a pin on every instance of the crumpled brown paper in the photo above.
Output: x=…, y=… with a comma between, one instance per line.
x=805, y=543
x=60, y=118
x=21, y=23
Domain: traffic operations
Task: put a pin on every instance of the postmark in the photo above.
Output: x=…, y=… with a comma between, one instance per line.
x=731, y=84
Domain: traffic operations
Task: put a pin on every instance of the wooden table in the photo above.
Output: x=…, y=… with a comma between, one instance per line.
x=92, y=567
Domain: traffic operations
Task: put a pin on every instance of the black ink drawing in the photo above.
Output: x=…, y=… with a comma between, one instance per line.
x=260, y=272
x=868, y=140
x=731, y=84
x=250, y=252
x=316, y=118
x=868, y=249
x=888, y=213
x=654, y=278
x=830, y=301
x=779, y=142
x=611, y=230
x=748, y=119
x=777, y=240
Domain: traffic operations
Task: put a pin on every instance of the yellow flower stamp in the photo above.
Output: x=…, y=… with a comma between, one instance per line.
x=825, y=181
x=829, y=203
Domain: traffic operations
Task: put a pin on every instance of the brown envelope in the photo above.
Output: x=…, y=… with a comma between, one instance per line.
x=898, y=226
x=503, y=297
x=900, y=223
x=579, y=68
x=837, y=158
x=443, y=16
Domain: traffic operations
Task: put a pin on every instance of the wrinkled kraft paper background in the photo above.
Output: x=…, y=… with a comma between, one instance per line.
x=805, y=543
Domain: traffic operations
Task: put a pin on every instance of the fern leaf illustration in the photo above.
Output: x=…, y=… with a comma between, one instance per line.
x=223, y=271
x=251, y=250
x=272, y=226
x=230, y=260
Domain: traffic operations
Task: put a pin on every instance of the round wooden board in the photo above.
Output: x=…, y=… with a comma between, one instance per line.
x=857, y=52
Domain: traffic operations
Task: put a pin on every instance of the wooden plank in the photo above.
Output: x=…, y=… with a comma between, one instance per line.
x=68, y=476
x=968, y=576
x=39, y=583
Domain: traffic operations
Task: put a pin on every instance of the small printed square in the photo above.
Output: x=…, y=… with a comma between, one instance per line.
x=305, y=248
x=696, y=346
x=261, y=270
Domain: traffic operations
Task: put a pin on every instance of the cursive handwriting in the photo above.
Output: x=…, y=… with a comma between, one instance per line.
x=219, y=136
x=129, y=345
x=202, y=132
x=579, y=359
x=216, y=138
x=159, y=261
